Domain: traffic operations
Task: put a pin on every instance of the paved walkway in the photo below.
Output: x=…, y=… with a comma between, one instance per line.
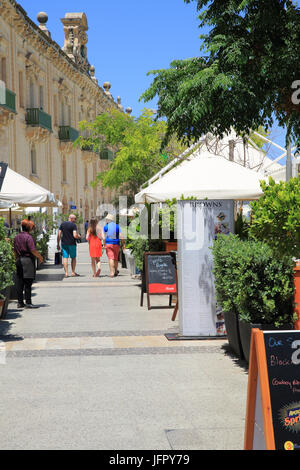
x=91, y=369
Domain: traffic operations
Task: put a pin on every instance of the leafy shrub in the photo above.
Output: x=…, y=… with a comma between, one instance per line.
x=276, y=217
x=252, y=283
x=7, y=259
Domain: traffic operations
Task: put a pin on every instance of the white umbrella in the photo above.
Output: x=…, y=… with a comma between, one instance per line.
x=204, y=176
x=16, y=189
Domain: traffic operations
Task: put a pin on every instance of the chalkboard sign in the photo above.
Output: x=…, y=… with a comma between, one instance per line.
x=273, y=406
x=159, y=275
x=283, y=363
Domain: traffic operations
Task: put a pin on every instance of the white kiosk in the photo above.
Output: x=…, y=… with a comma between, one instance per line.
x=198, y=223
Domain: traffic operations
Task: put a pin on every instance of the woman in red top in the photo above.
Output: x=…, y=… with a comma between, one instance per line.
x=95, y=247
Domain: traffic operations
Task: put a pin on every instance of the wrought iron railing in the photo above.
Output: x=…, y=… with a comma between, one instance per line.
x=38, y=118
x=68, y=134
x=8, y=100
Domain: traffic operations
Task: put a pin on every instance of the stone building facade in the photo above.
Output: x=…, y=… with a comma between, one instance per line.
x=45, y=92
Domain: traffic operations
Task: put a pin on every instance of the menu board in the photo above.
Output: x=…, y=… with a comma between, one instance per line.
x=159, y=276
x=283, y=365
x=160, y=273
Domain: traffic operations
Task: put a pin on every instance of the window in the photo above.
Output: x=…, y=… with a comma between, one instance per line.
x=64, y=170
x=63, y=114
x=31, y=94
x=33, y=160
x=55, y=111
x=21, y=90
x=85, y=175
x=3, y=76
x=41, y=97
x=69, y=115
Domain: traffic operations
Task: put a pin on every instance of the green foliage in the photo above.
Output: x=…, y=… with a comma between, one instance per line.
x=7, y=259
x=242, y=227
x=243, y=79
x=276, y=217
x=44, y=225
x=258, y=141
x=140, y=246
x=252, y=283
x=138, y=146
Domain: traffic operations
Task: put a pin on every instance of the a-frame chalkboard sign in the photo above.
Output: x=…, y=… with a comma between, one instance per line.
x=273, y=403
x=159, y=276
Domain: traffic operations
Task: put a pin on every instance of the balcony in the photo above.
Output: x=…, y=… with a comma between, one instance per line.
x=8, y=100
x=67, y=134
x=7, y=107
x=89, y=154
x=35, y=117
x=39, y=125
x=107, y=154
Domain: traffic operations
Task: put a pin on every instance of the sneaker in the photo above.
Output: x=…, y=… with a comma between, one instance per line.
x=31, y=306
x=20, y=305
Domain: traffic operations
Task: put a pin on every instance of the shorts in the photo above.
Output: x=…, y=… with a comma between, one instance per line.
x=113, y=251
x=69, y=251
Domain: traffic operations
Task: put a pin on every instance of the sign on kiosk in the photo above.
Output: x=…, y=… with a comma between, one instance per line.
x=273, y=403
x=198, y=224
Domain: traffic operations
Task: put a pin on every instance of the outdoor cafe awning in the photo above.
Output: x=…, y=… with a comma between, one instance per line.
x=16, y=189
x=204, y=176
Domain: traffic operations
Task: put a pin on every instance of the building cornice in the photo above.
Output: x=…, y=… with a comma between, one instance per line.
x=17, y=17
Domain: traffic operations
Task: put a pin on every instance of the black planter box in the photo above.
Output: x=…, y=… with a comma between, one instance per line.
x=245, y=334
x=13, y=289
x=233, y=333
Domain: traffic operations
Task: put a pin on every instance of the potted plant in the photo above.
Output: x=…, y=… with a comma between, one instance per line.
x=254, y=284
x=7, y=268
x=226, y=263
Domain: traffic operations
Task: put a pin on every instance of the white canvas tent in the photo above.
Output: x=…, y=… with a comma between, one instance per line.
x=204, y=176
x=16, y=189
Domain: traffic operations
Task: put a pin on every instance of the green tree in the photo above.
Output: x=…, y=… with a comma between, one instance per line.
x=244, y=79
x=137, y=143
x=276, y=217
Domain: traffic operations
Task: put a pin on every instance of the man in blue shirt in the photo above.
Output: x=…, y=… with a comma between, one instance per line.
x=113, y=235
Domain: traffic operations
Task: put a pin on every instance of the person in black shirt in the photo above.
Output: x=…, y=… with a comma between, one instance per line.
x=68, y=235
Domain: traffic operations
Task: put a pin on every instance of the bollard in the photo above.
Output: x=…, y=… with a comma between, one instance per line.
x=297, y=294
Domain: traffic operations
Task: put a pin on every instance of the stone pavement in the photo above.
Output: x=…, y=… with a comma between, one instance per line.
x=91, y=369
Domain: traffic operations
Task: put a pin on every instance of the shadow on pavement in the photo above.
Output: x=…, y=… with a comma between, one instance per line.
x=236, y=360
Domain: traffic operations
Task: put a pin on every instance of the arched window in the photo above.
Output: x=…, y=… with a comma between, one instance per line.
x=33, y=160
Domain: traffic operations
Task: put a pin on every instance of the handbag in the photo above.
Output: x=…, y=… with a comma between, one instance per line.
x=57, y=259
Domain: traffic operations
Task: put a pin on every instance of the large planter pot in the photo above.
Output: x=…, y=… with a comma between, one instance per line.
x=233, y=333
x=245, y=334
x=130, y=262
x=6, y=294
x=13, y=289
x=170, y=246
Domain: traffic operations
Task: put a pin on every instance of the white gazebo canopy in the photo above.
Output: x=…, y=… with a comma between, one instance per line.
x=204, y=175
x=16, y=189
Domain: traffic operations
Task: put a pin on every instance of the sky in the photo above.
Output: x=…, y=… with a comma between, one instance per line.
x=129, y=38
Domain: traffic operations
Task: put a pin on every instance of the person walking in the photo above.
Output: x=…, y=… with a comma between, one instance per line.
x=25, y=253
x=68, y=236
x=113, y=236
x=94, y=237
